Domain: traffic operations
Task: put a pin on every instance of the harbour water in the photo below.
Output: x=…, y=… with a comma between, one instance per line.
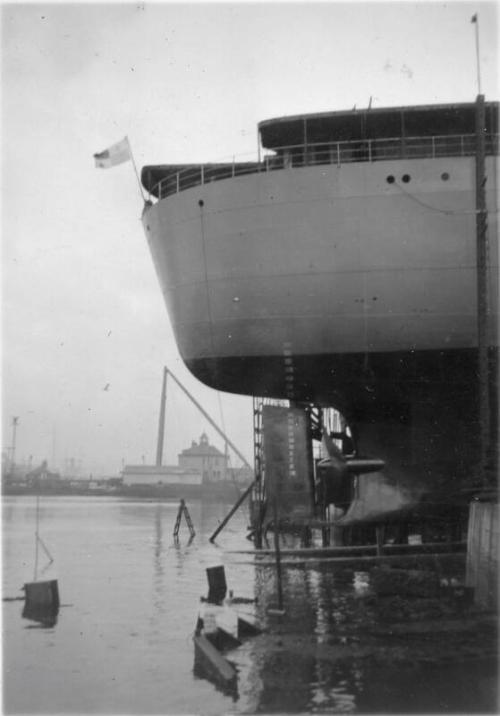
x=122, y=643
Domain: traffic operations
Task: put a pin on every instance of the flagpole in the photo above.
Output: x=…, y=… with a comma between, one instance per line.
x=135, y=169
x=475, y=21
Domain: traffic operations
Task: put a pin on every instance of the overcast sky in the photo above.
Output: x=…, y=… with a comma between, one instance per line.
x=186, y=82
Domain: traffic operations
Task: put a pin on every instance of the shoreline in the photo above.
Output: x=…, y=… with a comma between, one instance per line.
x=173, y=492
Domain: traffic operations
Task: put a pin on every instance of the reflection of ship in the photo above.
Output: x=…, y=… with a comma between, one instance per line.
x=340, y=270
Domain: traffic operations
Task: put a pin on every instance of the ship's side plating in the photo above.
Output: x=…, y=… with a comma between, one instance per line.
x=345, y=284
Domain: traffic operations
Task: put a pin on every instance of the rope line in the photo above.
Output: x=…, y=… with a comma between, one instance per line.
x=39, y=540
x=448, y=212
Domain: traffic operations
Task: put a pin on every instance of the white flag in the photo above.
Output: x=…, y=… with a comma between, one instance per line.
x=116, y=154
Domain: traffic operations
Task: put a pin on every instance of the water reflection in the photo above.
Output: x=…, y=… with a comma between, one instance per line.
x=200, y=671
x=338, y=698
x=158, y=567
x=135, y=596
x=331, y=652
x=45, y=617
x=303, y=678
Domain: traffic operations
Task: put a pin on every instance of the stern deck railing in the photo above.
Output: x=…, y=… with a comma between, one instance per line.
x=336, y=153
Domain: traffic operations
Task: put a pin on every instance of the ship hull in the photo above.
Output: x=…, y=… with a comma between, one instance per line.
x=323, y=261
x=335, y=285
x=417, y=411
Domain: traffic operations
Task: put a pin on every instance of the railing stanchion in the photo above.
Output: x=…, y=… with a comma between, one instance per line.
x=332, y=152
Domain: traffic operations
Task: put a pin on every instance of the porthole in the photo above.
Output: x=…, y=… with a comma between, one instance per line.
x=201, y=203
x=445, y=176
x=406, y=178
x=390, y=179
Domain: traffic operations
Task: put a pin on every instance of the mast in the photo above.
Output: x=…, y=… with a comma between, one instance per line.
x=15, y=421
x=161, y=420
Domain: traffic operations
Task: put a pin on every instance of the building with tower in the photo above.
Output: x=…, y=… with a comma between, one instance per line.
x=211, y=462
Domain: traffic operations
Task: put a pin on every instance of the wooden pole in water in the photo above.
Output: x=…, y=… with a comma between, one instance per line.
x=277, y=552
x=239, y=501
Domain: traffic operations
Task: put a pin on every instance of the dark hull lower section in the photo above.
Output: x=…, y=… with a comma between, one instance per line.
x=354, y=383
x=418, y=411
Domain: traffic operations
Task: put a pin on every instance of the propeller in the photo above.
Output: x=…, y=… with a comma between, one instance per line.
x=340, y=465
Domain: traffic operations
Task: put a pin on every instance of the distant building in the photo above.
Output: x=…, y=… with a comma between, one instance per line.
x=42, y=477
x=201, y=463
x=14, y=473
x=207, y=459
x=241, y=475
x=160, y=475
x=73, y=469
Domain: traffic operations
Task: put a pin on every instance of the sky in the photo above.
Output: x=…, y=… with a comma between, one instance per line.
x=186, y=82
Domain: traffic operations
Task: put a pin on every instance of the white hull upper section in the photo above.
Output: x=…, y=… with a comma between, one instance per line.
x=326, y=259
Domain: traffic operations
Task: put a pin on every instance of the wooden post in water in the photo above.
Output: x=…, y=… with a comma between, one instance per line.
x=41, y=602
x=277, y=553
x=380, y=535
x=226, y=519
x=217, y=586
x=482, y=551
x=42, y=595
x=183, y=510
